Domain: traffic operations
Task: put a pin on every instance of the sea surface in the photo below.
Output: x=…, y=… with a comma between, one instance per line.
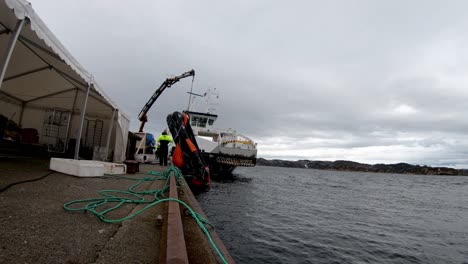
x=285, y=215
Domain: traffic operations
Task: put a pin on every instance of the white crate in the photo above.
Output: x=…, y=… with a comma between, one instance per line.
x=80, y=168
x=114, y=168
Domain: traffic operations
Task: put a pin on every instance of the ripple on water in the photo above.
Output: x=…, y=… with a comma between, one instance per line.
x=277, y=215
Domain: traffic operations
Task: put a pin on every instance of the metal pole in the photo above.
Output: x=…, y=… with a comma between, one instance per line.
x=83, y=112
x=10, y=48
x=12, y=96
x=23, y=105
x=71, y=115
x=26, y=73
x=190, y=97
x=109, y=134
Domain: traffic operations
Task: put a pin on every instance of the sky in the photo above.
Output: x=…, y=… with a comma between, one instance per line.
x=368, y=81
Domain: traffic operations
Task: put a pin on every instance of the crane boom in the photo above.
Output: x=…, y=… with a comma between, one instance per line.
x=166, y=84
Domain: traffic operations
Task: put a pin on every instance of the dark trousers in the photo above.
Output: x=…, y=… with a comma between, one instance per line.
x=163, y=157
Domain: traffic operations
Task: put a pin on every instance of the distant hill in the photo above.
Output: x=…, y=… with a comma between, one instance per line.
x=344, y=165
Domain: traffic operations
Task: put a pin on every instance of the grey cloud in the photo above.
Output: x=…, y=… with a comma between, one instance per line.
x=350, y=75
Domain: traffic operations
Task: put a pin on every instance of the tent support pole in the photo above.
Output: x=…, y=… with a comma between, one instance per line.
x=72, y=113
x=10, y=48
x=23, y=105
x=26, y=73
x=11, y=96
x=109, y=134
x=83, y=112
x=49, y=95
x=73, y=81
x=23, y=39
x=74, y=101
x=64, y=75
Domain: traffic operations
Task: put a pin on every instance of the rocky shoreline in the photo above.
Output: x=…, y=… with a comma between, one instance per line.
x=344, y=165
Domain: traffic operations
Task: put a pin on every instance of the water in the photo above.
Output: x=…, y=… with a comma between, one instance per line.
x=284, y=215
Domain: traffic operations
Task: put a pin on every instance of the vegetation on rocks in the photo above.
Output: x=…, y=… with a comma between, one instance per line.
x=344, y=165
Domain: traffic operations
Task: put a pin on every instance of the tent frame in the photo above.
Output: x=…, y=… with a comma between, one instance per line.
x=10, y=48
x=88, y=89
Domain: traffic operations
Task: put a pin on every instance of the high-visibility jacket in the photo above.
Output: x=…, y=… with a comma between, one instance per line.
x=164, y=141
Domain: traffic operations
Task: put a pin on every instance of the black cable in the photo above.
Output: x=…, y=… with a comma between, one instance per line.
x=15, y=183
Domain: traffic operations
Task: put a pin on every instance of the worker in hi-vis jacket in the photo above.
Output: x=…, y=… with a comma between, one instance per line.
x=163, y=142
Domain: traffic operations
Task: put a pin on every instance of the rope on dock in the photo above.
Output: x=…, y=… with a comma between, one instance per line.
x=131, y=196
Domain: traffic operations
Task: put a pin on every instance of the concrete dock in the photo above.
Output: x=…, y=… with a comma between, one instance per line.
x=35, y=228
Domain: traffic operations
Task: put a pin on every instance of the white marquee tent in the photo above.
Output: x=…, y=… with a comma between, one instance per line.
x=41, y=81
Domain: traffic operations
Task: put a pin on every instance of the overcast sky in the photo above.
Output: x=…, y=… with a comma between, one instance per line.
x=369, y=81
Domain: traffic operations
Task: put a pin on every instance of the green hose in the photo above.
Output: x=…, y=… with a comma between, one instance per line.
x=137, y=197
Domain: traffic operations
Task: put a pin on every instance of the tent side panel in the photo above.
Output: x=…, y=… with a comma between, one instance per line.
x=123, y=125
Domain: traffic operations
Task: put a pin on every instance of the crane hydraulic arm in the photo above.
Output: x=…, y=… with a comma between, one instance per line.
x=166, y=84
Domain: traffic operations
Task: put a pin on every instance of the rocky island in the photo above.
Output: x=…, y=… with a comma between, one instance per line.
x=344, y=165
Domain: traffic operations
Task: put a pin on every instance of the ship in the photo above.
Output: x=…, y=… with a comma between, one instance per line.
x=223, y=149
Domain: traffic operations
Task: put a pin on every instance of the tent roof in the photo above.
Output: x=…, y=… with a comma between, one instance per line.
x=41, y=71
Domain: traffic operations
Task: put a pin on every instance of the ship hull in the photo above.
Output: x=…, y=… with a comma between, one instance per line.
x=223, y=165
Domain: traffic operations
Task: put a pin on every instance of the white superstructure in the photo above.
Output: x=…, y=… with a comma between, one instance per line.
x=227, y=149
